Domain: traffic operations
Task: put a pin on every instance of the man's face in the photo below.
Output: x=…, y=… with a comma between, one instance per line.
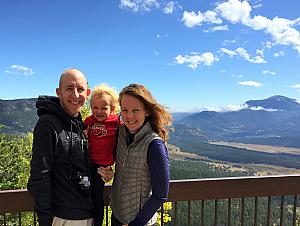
x=73, y=92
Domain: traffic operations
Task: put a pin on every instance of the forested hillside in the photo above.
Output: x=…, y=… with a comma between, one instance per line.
x=17, y=116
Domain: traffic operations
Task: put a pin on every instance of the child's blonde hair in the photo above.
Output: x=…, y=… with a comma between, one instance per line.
x=105, y=89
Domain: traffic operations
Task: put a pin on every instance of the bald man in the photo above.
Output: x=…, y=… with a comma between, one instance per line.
x=60, y=169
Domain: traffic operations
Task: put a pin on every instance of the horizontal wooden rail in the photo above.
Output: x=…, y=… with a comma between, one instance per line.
x=12, y=201
x=234, y=187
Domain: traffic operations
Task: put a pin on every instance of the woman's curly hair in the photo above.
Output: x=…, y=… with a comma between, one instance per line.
x=160, y=119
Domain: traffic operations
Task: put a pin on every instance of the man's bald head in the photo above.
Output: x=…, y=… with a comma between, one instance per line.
x=71, y=72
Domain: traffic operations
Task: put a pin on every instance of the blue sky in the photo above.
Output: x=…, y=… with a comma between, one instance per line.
x=193, y=55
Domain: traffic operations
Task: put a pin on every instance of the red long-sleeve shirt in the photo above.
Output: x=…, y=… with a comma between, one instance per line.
x=102, y=139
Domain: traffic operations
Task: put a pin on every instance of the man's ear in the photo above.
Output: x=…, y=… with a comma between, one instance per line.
x=58, y=92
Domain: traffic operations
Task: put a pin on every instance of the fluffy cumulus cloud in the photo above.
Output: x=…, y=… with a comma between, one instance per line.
x=281, y=30
x=19, y=69
x=244, y=54
x=195, y=59
x=251, y=83
x=235, y=11
x=192, y=19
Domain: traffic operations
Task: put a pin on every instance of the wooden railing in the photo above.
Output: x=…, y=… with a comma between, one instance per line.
x=221, y=192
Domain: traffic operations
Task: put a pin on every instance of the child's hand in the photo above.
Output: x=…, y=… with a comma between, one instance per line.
x=106, y=173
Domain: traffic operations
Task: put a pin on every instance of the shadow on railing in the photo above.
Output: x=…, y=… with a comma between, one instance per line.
x=268, y=200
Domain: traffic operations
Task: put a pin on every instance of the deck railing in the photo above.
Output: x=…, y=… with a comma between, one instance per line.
x=215, y=201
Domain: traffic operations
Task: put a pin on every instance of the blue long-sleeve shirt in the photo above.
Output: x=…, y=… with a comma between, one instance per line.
x=159, y=168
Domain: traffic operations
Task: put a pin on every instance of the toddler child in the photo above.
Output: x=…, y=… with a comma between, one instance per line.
x=101, y=129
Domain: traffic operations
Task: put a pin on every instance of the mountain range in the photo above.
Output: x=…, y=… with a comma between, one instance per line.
x=17, y=116
x=272, y=121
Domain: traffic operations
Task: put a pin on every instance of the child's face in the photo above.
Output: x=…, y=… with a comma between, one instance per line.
x=101, y=107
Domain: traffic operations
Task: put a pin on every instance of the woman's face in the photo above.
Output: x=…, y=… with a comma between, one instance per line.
x=133, y=112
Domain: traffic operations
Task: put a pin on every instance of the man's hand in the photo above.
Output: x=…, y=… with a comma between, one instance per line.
x=106, y=173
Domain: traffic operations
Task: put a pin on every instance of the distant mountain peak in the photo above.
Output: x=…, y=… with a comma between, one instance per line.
x=275, y=102
x=280, y=98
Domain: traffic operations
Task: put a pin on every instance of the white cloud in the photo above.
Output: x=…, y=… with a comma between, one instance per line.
x=280, y=29
x=283, y=34
x=244, y=54
x=237, y=76
x=267, y=72
x=260, y=52
x=228, y=108
x=225, y=42
x=230, y=53
x=235, y=11
x=259, y=22
x=212, y=17
x=260, y=108
x=171, y=6
x=257, y=60
x=278, y=54
x=20, y=69
x=267, y=44
x=217, y=28
x=296, y=86
x=251, y=83
x=196, y=59
x=192, y=19
x=139, y=5
x=257, y=6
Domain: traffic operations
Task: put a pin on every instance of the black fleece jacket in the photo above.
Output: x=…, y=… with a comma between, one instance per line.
x=59, y=156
